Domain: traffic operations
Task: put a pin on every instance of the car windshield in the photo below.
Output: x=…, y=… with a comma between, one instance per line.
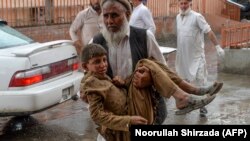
x=11, y=37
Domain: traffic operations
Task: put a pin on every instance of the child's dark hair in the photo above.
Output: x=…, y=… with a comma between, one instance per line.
x=92, y=50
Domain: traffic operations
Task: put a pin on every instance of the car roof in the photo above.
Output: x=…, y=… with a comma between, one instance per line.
x=3, y=21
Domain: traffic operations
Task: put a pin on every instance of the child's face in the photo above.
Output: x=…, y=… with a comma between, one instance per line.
x=97, y=65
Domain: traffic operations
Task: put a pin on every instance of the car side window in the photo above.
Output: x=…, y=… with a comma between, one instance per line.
x=11, y=37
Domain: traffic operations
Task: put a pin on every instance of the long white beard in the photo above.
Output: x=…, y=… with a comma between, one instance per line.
x=114, y=38
x=183, y=13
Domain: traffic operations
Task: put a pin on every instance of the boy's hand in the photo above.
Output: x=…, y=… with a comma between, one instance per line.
x=135, y=120
x=118, y=81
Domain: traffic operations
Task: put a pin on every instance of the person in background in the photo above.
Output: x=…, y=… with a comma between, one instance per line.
x=142, y=17
x=86, y=24
x=144, y=2
x=190, y=57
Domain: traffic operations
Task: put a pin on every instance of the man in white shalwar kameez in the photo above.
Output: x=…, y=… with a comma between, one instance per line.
x=190, y=57
x=86, y=25
x=142, y=17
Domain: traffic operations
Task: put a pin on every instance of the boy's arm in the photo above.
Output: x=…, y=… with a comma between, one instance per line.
x=118, y=81
x=103, y=117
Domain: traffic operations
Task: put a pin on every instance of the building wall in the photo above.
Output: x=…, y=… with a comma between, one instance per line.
x=170, y=7
x=39, y=12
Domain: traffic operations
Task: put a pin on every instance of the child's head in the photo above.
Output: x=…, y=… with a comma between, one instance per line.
x=94, y=59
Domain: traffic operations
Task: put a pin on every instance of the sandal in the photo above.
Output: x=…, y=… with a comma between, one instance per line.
x=213, y=89
x=203, y=111
x=196, y=102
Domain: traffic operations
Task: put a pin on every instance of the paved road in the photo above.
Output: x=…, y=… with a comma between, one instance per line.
x=68, y=121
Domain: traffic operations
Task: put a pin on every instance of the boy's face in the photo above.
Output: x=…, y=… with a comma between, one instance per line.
x=97, y=65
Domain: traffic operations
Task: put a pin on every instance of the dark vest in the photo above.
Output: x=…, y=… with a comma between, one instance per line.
x=138, y=45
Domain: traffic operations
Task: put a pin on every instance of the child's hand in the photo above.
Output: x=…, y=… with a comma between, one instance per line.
x=135, y=120
x=83, y=97
x=118, y=81
x=142, y=77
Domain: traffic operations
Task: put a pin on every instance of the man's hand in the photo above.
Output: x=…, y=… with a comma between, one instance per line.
x=78, y=46
x=142, y=77
x=220, y=51
x=135, y=120
x=118, y=81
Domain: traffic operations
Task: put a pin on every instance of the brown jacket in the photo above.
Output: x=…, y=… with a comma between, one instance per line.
x=108, y=106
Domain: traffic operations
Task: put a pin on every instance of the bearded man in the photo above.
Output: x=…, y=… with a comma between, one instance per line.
x=190, y=58
x=86, y=24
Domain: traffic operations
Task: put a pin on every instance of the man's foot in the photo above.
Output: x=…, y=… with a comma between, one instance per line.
x=195, y=102
x=212, y=89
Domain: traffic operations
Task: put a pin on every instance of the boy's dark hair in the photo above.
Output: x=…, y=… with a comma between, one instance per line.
x=92, y=50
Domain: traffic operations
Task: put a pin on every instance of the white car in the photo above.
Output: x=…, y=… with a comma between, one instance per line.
x=35, y=76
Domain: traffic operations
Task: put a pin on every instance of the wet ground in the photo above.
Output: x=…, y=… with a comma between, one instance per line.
x=71, y=121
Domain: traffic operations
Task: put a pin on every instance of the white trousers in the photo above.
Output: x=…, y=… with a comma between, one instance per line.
x=100, y=138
